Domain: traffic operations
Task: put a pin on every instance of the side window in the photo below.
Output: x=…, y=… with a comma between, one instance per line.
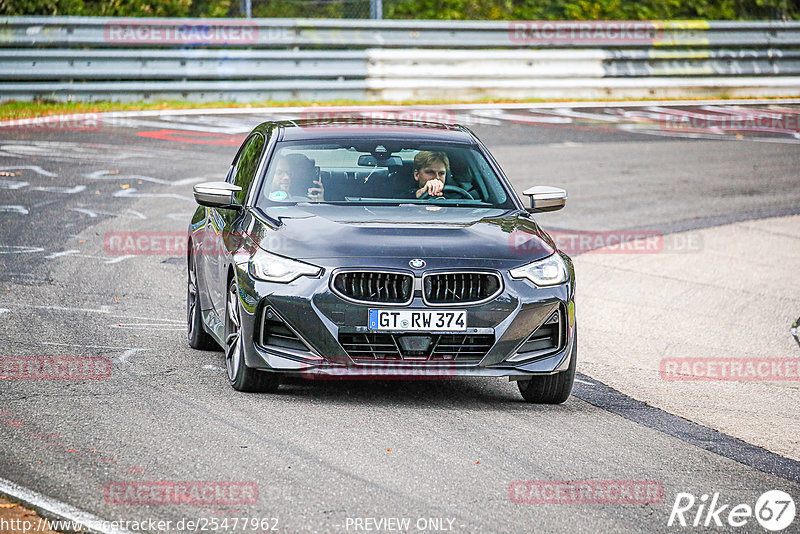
x=244, y=168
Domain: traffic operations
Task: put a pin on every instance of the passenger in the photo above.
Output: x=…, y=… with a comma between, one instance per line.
x=294, y=180
x=430, y=172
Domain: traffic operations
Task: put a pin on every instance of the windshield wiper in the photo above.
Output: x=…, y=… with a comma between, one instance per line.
x=357, y=202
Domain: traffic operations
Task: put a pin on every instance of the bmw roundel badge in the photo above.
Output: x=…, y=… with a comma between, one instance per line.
x=417, y=263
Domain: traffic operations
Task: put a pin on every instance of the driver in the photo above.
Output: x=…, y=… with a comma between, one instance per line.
x=430, y=171
x=294, y=180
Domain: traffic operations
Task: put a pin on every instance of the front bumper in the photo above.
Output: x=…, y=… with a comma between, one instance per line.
x=317, y=315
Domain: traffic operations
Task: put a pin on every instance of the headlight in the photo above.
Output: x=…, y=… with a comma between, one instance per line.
x=550, y=271
x=273, y=268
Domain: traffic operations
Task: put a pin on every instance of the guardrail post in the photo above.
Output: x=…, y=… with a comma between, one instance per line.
x=376, y=9
x=246, y=6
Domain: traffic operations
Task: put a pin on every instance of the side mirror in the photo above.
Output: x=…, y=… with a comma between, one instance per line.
x=545, y=198
x=217, y=195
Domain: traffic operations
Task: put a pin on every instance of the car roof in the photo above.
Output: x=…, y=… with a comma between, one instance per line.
x=370, y=128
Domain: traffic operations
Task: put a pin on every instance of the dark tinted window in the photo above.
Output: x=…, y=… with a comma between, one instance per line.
x=244, y=169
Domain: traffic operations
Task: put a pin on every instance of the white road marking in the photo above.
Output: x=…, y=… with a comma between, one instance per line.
x=58, y=189
x=62, y=253
x=180, y=216
x=565, y=144
x=465, y=107
x=513, y=117
x=108, y=175
x=583, y=382
x=213, y=368
x=738, y=111
x=568, y=112
x=138, y=214
x=119, y=259
x=14, y=249
x=127, y=354
x=131, y=193
x=4, y=310
x=88, y=346
x=102, y=309
x=58, y=508
x=12, y=184
x=14, y=208
x=34, y=168
x=173, y=124
x=160, y=320
x=90, y=213
x=94, y=213
x=147, y=326
x=62, y=150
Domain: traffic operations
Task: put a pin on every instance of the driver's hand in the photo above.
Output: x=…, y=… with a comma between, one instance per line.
x=432, y=187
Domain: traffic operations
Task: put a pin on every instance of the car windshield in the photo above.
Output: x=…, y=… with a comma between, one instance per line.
x=389, y=172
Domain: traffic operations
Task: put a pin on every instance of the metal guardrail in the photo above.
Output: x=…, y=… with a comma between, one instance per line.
x=343, y=33
x=237, y=59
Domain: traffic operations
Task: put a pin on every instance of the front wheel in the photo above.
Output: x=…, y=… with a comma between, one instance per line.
x=195, y=331
x=551, y=389
x=240, y=376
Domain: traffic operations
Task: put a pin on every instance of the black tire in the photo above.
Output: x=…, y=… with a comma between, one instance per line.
x=195, y=329
x=240, y=376
x=551, y=389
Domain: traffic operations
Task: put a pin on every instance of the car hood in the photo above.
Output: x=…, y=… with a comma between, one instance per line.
x=335, y=231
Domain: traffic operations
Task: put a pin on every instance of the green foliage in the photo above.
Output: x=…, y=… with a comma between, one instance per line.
x=41, y=7
x=591, y=9
x=117, y=8
x=138, y=8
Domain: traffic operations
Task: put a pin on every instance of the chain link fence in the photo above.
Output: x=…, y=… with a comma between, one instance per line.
x=316, y=9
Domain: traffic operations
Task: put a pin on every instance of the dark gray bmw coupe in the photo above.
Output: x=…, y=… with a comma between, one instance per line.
x=378, y=248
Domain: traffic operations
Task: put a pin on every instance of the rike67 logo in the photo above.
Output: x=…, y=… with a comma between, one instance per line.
x=774, y=510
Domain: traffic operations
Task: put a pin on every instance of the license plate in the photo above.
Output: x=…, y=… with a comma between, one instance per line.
x=418, y=320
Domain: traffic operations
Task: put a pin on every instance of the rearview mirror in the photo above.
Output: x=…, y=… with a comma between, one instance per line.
x=367, y=160
x=217, y=195
x=545, y=198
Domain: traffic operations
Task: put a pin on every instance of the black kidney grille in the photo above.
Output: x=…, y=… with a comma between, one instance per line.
x=458, y=288
x=369, y=286
x=376, y=347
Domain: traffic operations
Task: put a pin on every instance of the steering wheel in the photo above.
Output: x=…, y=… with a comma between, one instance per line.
x=450, y=189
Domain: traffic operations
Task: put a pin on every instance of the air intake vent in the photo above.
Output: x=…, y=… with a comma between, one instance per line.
x=460, y=288
x=375, y=286
x=275, y=332
x=547, y=338
x=377, y=347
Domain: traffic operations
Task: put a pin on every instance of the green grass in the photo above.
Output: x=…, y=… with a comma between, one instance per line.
x=40, y=108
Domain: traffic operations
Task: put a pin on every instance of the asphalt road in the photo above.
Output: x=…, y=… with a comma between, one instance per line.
x=324, y=454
